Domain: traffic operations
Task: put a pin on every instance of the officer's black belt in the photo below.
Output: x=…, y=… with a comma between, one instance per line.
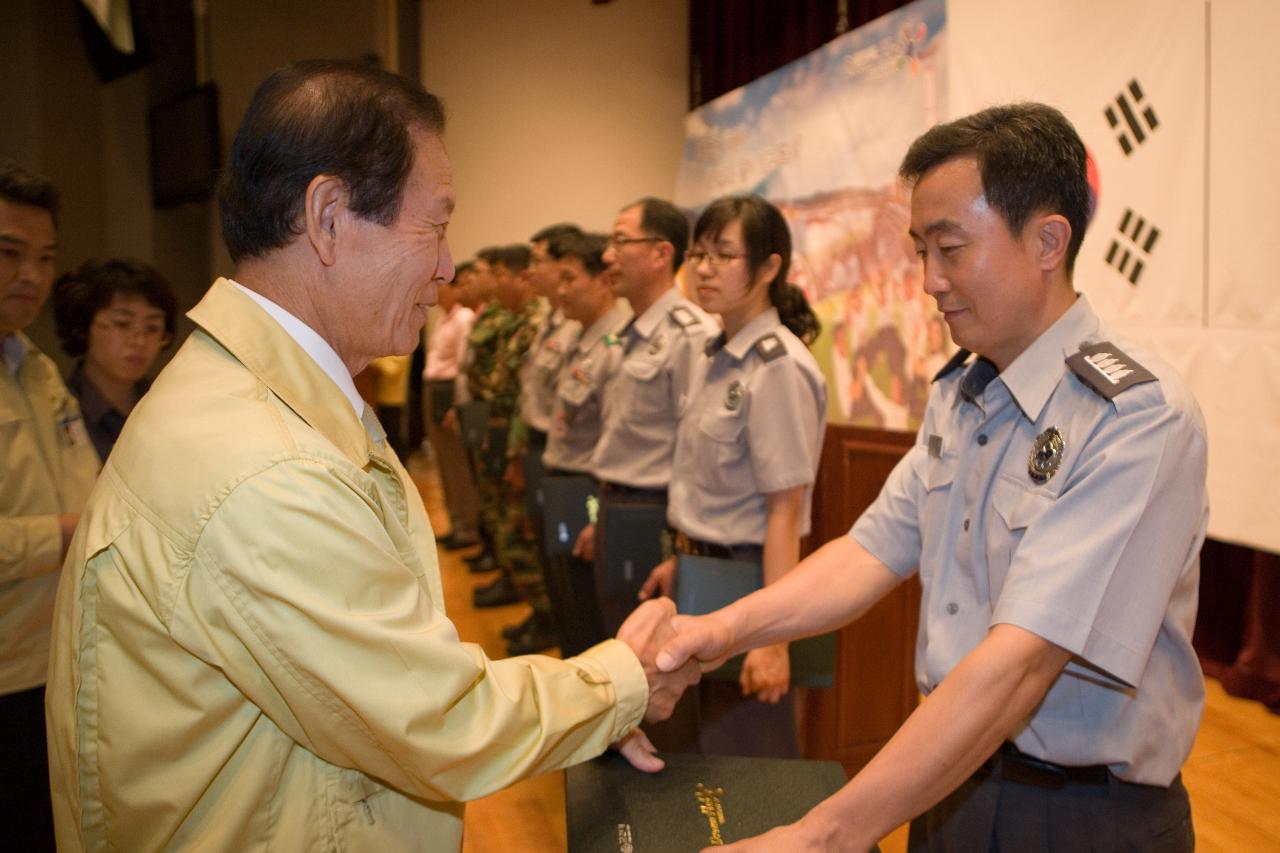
x=699, y=548
x=1013, y=765
x=623, y=489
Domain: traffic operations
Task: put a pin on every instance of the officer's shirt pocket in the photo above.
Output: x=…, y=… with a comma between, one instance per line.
x=1017, y=505
x=939, y=477
x=647, y=392
x=722, y=463
x=574, y=394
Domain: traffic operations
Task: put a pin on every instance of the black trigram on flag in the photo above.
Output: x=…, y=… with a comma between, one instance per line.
x=1137, y=238
x=1125, y=118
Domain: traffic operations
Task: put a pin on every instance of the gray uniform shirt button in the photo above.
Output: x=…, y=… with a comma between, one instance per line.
x=953, y=608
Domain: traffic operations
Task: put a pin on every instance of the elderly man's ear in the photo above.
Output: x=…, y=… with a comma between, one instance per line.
x=323, y=207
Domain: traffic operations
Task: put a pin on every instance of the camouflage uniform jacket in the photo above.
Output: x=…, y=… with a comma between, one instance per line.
x=515, y=338
x=483, y=345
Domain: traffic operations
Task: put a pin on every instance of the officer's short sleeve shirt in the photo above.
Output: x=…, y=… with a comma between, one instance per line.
x=659, y=350
x=1100, y=558
x=577, y=418
x=753, y=425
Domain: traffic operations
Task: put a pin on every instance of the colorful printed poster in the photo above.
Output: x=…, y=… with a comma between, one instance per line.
x=822, y=139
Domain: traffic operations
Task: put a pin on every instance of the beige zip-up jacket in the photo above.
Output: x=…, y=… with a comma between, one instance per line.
x=47, y=468
x=250, y=645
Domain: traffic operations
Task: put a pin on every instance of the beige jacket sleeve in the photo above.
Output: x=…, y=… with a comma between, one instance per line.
x=301, y=596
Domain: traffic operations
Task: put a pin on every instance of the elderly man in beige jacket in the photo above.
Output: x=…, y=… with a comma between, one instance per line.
x=251, y=650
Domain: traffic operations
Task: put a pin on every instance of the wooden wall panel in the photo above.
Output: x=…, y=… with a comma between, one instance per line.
x=875, y=686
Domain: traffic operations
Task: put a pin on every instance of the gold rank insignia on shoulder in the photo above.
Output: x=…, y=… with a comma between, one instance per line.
x=733, y=399
x=1046, y=455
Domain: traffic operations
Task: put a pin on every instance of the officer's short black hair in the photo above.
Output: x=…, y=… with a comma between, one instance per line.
x=515, y=257
x=662, y=219
x=19, y=185
x=585, y=246
x=552, y=231
x=1031, y=160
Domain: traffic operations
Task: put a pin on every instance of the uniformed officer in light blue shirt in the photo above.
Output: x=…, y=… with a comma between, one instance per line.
x=633, y=458
x=1055, y=506
x=586, y=297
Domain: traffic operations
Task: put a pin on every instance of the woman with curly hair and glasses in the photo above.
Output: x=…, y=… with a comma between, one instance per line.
x=113, y=316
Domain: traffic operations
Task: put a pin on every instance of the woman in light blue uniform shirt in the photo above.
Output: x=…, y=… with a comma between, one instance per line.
x=747, y=450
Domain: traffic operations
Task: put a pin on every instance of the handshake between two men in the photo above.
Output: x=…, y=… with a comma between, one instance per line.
x=674, y=650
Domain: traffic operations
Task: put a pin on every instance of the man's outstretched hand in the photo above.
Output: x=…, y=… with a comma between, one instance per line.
x=648, y=631
x=703, y=640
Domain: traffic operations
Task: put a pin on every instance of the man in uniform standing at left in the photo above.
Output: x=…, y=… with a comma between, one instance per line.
x=47, y=468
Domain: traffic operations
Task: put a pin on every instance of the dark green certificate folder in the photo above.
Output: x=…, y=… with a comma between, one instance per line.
x=632, y=546
x=610, y=805
x=564, y=511
x=473, y=422
x=704, y=584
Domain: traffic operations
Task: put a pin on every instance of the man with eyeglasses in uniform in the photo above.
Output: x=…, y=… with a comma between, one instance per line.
x=633, y=458
x=47, y=469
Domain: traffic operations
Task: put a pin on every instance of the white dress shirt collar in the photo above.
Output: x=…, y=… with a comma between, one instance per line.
x=313, y=345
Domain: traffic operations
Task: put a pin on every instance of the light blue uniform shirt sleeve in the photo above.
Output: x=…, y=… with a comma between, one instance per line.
x=784, y=426
x=890, y=527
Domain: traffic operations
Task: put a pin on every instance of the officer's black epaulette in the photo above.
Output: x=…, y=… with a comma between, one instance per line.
x=956, y=361
x=683, y=317
x=770, y=347
x=1107, y=370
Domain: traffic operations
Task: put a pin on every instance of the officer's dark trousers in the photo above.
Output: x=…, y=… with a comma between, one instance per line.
x=992, y=813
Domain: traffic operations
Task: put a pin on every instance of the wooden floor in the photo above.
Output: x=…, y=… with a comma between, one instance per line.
x=1233, y=773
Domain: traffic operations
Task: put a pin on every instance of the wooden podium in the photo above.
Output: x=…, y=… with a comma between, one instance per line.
x=875, y=686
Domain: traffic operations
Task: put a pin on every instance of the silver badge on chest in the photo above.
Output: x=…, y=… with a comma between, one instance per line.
x=1046, y=455
x=733, y=399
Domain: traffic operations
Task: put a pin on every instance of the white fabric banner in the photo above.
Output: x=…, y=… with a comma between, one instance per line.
x=1174, y=99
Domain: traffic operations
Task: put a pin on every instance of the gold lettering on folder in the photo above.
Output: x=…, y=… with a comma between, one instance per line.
x=710, y=807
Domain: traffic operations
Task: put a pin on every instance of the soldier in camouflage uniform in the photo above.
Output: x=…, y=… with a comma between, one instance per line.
x=482, y=348
x=501, y=499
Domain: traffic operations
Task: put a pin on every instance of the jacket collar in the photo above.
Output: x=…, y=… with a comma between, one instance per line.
x=1034, y=374
x=268, y=352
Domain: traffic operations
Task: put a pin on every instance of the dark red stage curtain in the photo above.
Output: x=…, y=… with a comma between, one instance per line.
x=732, y=42
x=1238, y=628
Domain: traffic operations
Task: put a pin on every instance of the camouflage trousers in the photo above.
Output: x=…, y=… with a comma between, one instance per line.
x=502, y=508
